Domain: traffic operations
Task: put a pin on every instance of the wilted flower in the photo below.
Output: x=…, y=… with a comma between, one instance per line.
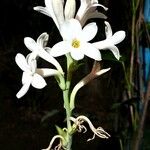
x=78, y=122
x=76, y=41
x=59, y=146
x=111, y=40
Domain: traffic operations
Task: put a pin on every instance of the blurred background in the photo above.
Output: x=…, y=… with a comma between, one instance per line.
x=117, y=101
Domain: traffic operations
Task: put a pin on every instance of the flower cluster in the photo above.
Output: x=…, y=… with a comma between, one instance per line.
x=76, y=40
x=77, y=43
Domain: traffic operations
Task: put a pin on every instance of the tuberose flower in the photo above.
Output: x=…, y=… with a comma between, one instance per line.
x=76, y=41
x=60, y=11
x=37, y=49
x=111, y=40
x=32, y=75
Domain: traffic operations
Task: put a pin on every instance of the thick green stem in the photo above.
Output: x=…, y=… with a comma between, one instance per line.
x=66, y=97
x=68, y=115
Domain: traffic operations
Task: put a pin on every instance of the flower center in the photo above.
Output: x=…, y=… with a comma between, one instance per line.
x=76, y=43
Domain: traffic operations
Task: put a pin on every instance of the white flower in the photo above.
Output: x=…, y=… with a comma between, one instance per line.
x=53, y=9
x=29, y=77
x=76, y=41
x=60, y=12
x=38, y=50
x=111, y=40
x=32, y=75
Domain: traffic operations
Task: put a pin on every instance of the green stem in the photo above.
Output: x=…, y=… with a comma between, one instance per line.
x=66, y=95
x=68, y=115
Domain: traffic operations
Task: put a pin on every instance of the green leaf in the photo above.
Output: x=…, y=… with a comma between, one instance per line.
x=61, y=131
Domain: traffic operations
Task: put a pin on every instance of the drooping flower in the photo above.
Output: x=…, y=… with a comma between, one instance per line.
x=37, y=49
x=76, y=41
x=95, y=72
x=31, y=74
x=111, y=40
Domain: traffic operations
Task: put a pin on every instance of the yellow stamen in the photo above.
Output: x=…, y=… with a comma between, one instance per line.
x=76, y=43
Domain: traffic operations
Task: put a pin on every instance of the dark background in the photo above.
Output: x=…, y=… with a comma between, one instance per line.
x=23, y=122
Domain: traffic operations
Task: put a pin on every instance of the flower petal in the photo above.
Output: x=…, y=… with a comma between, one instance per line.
x=42, y=10
x=108, y=30
x=92, y=52
x=102, y=44
x=102, y=71
x=90, y=15
x=49, y=58
x=23, y=90
x=58, y=10
x=77, y=54
x=115, y=51
x=89, y=31
x=71, y=29
x=43, y=39
x=26, y=77
x=118, y=37
x=38, y=81
x=30, y=44
x=22, y=62
x=60, y=49
x=70, y=9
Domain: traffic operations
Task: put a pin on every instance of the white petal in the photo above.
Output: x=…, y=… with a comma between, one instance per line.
x=60, y=49
x=22, y=62
x=26, y=77
x=45, y=72
x=92, y=52
x=115, y=51
x=89, y=31
x=95, y=5
x=23, y=90
x=58, y=10
x=38, y=81
x=71, y=29
x=108, y=30
x=102, y=71
x=30, y=44
x=70, y=9
x=82, y=9
x=118, y=37
x=49, y=58
x=43, y=39
x=77, y=54
x=47, y=49
x=42, y=10
x=102, y=44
